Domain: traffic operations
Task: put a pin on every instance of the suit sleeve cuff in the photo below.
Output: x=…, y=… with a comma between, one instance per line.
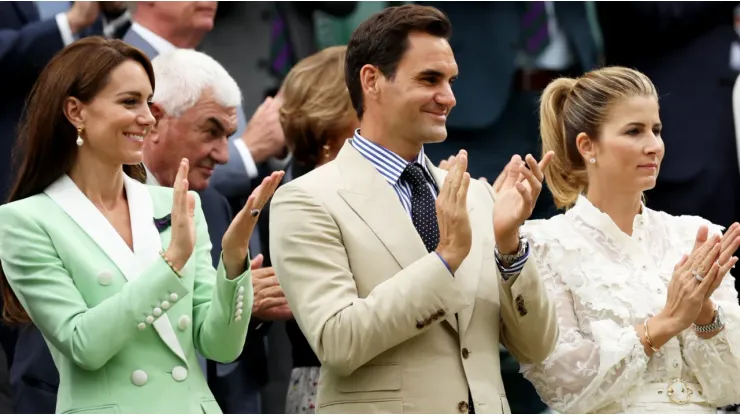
x=246, y=156
x=449, y=269
x=64, y=30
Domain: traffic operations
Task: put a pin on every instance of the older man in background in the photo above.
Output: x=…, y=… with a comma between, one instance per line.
x=160, y=27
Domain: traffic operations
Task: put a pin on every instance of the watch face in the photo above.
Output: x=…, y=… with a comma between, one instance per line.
x=720, y=315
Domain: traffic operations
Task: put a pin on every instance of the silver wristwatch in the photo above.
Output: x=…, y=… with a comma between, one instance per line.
x=509, y=259
x=716, y=325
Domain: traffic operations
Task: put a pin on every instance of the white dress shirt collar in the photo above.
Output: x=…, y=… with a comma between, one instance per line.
x=160, y=44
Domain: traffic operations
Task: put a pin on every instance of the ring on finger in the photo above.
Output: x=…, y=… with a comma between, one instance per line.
x=255, y=212
x=697, y=276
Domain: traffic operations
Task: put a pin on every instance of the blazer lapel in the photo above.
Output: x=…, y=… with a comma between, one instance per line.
x=69, y=198
x=469, y=271
x=147, y=245
x=375, y=201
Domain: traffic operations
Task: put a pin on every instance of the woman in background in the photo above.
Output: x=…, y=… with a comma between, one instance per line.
x=317, y=117
x=117, y=275
x=648, y=314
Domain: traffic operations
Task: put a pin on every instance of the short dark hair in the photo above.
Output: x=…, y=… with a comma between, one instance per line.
x=382, y=40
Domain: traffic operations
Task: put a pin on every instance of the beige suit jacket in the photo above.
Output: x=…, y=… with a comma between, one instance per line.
x=394, y=331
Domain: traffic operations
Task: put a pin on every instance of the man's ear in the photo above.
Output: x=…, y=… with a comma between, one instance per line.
x=369, y=78
x=158, y=113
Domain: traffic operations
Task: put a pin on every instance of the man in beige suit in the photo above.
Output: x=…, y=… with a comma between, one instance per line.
x=401, y=275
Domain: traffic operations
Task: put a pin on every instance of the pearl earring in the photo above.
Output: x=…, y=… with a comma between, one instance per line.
x=592, y=160
x=79, y=140
x=326, y=151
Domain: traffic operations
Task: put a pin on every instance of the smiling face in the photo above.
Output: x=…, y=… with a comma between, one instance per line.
x=200, y=134
x=415, y=102
x=630, y=147
x=116, y=120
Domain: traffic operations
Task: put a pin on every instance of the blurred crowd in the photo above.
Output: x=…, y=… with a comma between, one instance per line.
x=281, y=64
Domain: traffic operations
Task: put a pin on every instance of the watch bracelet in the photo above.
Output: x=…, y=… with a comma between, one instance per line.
x=716, y=324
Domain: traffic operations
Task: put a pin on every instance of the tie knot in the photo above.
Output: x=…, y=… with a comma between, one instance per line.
x=414, y=175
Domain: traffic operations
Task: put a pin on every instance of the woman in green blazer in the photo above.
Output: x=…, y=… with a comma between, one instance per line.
x=117, y=275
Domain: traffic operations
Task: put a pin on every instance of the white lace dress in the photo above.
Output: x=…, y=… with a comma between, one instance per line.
x=604, y=282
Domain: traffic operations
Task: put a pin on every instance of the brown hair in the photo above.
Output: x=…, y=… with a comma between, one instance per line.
x=382, y=39
x=46, y=145
x=316, y=104
x=572, y=106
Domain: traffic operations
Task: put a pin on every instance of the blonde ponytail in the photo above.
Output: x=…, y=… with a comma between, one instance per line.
x=552, y=129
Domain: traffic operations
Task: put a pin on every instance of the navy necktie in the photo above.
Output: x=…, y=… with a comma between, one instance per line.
x=423, y=211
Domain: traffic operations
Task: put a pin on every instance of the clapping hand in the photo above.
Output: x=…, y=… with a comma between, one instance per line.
x=725, y=261
x=455, y=235
x=269, y=300
x=182, y=241
x=264, y=135
x=235, y=242
x=516, y=199
x=693, y=277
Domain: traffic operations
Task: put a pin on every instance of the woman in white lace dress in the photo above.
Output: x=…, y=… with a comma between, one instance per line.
x=648, y=313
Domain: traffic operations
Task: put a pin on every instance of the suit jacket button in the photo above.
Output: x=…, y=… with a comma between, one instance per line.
x=520, y=305
x=183, y=323
x=105, y=278
x=419, y=325
x=179, y=373
x=462, y=407
x=139, y=377
x=465, y=353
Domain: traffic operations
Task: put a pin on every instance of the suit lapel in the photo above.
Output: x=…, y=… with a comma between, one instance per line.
x=147, y=245
x=65, y=193
x=133, y=39
x=69, y=198
x=376, y=203
x=469, y=271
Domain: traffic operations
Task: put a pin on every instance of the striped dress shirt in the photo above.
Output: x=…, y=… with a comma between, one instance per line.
x=391, y=166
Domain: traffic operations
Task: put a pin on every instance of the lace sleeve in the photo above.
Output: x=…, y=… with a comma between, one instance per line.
x=588, y=369
x=716, y=361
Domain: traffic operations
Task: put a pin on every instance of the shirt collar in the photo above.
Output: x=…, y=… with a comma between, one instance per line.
x=388, y=164
x=160, y=44
x=599, y=220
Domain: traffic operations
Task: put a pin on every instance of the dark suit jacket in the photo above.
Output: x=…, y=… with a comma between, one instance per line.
x=485, y=40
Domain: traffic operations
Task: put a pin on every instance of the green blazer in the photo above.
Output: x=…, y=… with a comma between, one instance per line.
x=122, y=327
